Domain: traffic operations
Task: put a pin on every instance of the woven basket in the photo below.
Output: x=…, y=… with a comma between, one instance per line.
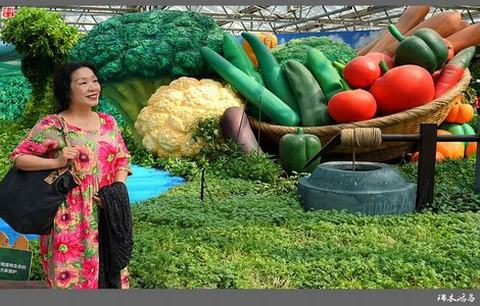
x=406, y=122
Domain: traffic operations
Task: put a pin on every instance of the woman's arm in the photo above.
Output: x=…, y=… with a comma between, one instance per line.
x=121, y=176
x=35, y=163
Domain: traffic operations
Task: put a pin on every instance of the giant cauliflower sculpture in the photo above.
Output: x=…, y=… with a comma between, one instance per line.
x=166, y=123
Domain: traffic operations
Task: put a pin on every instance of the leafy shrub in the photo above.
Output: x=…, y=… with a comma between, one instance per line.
x=36, y=272
x=219, y=157
x=225, y=159
x=10, y=136
x=45, y=40
x=14, y=94
x=453, y=190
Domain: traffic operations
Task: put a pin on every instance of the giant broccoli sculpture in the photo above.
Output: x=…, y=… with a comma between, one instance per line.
x=138, y=52
x=297, y=49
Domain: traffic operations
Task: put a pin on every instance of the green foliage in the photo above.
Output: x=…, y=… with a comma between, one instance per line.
x=39, y=33
x=225, y=159
x=453, y=190
x=179, y=166
x=207, y=129
x=240, y=238
x=42, y=101
x=14, y=94
x=297, y=49
x=175, y=165
x=475, y=70
x=10, y=136
x=252, y=166
x=45, y=41
x=36, y=272
x=218, y=157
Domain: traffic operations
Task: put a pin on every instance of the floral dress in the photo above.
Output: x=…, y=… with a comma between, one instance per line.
x=69, y=253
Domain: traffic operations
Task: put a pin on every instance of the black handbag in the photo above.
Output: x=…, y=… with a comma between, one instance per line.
x=29, y=200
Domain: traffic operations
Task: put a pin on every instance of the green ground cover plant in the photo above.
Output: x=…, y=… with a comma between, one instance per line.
x=255, y=234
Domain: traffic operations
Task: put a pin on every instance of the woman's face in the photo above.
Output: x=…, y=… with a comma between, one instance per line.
x=84, y=88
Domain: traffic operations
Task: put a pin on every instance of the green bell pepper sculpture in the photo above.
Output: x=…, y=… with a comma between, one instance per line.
x=459, y=129
x=297, y=149
x=425, y=48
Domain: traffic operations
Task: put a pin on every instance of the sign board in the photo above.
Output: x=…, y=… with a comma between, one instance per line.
x=8, y=12
x=15, y=264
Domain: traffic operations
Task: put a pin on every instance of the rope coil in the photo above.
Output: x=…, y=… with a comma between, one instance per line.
x=361, y=137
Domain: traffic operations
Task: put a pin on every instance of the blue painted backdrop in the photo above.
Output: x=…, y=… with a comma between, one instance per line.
x=355, y=39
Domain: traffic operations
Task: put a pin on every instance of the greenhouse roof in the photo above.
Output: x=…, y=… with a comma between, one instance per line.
x=277, y=18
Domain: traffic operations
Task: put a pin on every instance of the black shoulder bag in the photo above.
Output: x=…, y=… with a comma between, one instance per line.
x=29, y=200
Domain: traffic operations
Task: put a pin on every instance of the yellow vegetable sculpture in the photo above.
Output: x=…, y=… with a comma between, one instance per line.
x=167, y=122
x=269, y=39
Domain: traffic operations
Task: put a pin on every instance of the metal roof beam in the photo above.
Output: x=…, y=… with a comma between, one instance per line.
x=84, y=12
x=369, y=11
x=316, y=17
x=365, y=22
x=251, y=18
x=250, y=9
x=459, y=7
x=120, y=9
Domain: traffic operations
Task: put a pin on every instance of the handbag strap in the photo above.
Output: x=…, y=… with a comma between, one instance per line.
x=56, y=173
x=63, y=126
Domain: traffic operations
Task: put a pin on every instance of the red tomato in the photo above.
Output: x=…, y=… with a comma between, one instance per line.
x=361, y=72
x=352, y=105
x=402, y=88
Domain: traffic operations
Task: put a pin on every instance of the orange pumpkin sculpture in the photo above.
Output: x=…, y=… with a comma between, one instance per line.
x=450, y=150
x=460, y=112
x=471, y=149
x=269, y=39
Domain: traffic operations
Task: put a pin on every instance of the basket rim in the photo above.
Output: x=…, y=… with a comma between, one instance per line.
x=391, y=119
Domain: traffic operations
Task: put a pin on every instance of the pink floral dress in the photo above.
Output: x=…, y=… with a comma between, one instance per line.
x=70, y=252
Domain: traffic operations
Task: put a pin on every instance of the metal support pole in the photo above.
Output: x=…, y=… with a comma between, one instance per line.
x=202, y=184
x=426, y=165
x=476, y=186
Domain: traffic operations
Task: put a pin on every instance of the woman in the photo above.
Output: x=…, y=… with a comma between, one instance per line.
x=98, y=156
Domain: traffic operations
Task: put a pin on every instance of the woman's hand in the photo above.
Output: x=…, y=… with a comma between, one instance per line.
x=67, y=153
x=97, y=199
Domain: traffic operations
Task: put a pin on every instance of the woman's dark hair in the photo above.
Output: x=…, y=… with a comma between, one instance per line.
x=62, y=80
